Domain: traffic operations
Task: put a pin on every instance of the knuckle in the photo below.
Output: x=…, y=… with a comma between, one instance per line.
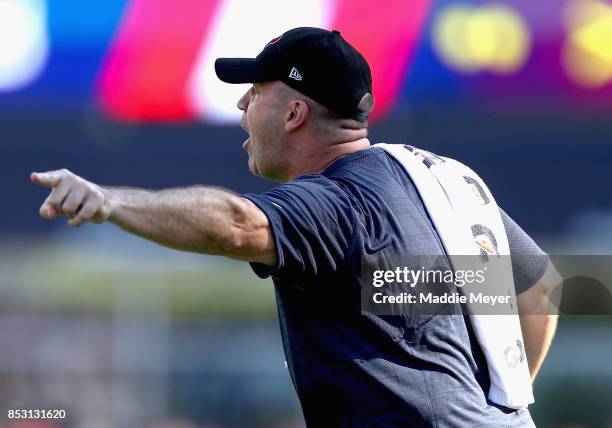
x=87, y=212
x=98, y=194
x=68, y=208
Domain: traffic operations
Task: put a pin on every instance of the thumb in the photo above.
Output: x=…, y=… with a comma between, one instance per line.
x=47, y=179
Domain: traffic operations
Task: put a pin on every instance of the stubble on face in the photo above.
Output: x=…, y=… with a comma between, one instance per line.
x=260, y=121
x=246, y=146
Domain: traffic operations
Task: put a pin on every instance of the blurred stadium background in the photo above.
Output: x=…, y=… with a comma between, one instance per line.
x=122, y=333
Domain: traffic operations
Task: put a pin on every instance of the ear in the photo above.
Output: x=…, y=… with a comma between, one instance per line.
x=296, y=115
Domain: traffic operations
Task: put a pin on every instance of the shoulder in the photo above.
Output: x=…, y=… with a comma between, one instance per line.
x=313, y=187
x=312, y=195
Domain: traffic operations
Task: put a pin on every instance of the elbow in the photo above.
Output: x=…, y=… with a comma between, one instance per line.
x=538, y=300
x=245, y=233
x=233, y=237
x=231, y=242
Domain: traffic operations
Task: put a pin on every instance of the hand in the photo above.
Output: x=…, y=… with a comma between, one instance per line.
x=72, y=196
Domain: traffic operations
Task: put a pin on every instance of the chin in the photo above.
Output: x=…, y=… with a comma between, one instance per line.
x=253, y=168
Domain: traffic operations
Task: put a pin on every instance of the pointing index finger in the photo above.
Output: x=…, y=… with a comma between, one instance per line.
x=47, y=179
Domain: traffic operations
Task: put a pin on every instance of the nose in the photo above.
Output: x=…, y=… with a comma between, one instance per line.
x=243, y=102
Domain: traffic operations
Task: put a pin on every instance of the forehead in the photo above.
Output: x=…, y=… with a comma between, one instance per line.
x=273, y=86
x=273, y=91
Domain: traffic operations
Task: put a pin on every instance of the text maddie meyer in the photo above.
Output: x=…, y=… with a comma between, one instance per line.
x=448, y=298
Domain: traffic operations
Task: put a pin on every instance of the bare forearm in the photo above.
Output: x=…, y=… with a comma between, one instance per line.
x=538, y=314
x=200, y=219
x=538, y=333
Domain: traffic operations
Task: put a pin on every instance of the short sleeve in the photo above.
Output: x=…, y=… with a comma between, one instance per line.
x=312, y=221
x=529, y=262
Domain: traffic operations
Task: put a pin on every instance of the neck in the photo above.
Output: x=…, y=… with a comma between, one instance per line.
x=316, y=161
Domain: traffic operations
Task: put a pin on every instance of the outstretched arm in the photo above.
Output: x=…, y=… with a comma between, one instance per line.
x=200, y=219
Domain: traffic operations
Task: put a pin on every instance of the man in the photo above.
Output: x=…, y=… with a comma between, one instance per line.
x=306, y=117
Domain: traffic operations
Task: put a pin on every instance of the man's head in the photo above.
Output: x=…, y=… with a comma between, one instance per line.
x=310, y=101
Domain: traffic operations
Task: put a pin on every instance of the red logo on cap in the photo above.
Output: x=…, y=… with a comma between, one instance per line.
x=274, y=40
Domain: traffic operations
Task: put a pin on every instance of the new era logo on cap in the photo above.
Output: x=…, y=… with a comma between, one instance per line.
x=294, y=74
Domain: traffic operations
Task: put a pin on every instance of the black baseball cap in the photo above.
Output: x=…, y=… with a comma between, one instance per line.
x=315, y=62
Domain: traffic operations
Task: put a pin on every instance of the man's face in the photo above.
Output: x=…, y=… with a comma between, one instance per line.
x=262, y=119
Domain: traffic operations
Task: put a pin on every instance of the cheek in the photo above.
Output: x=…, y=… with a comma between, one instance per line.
x=258, y=136
x=256, y=123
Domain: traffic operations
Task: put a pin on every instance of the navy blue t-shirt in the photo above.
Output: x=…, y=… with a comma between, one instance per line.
x=361, y=370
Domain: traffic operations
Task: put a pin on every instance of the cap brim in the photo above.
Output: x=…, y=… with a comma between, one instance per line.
x=238, y=70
